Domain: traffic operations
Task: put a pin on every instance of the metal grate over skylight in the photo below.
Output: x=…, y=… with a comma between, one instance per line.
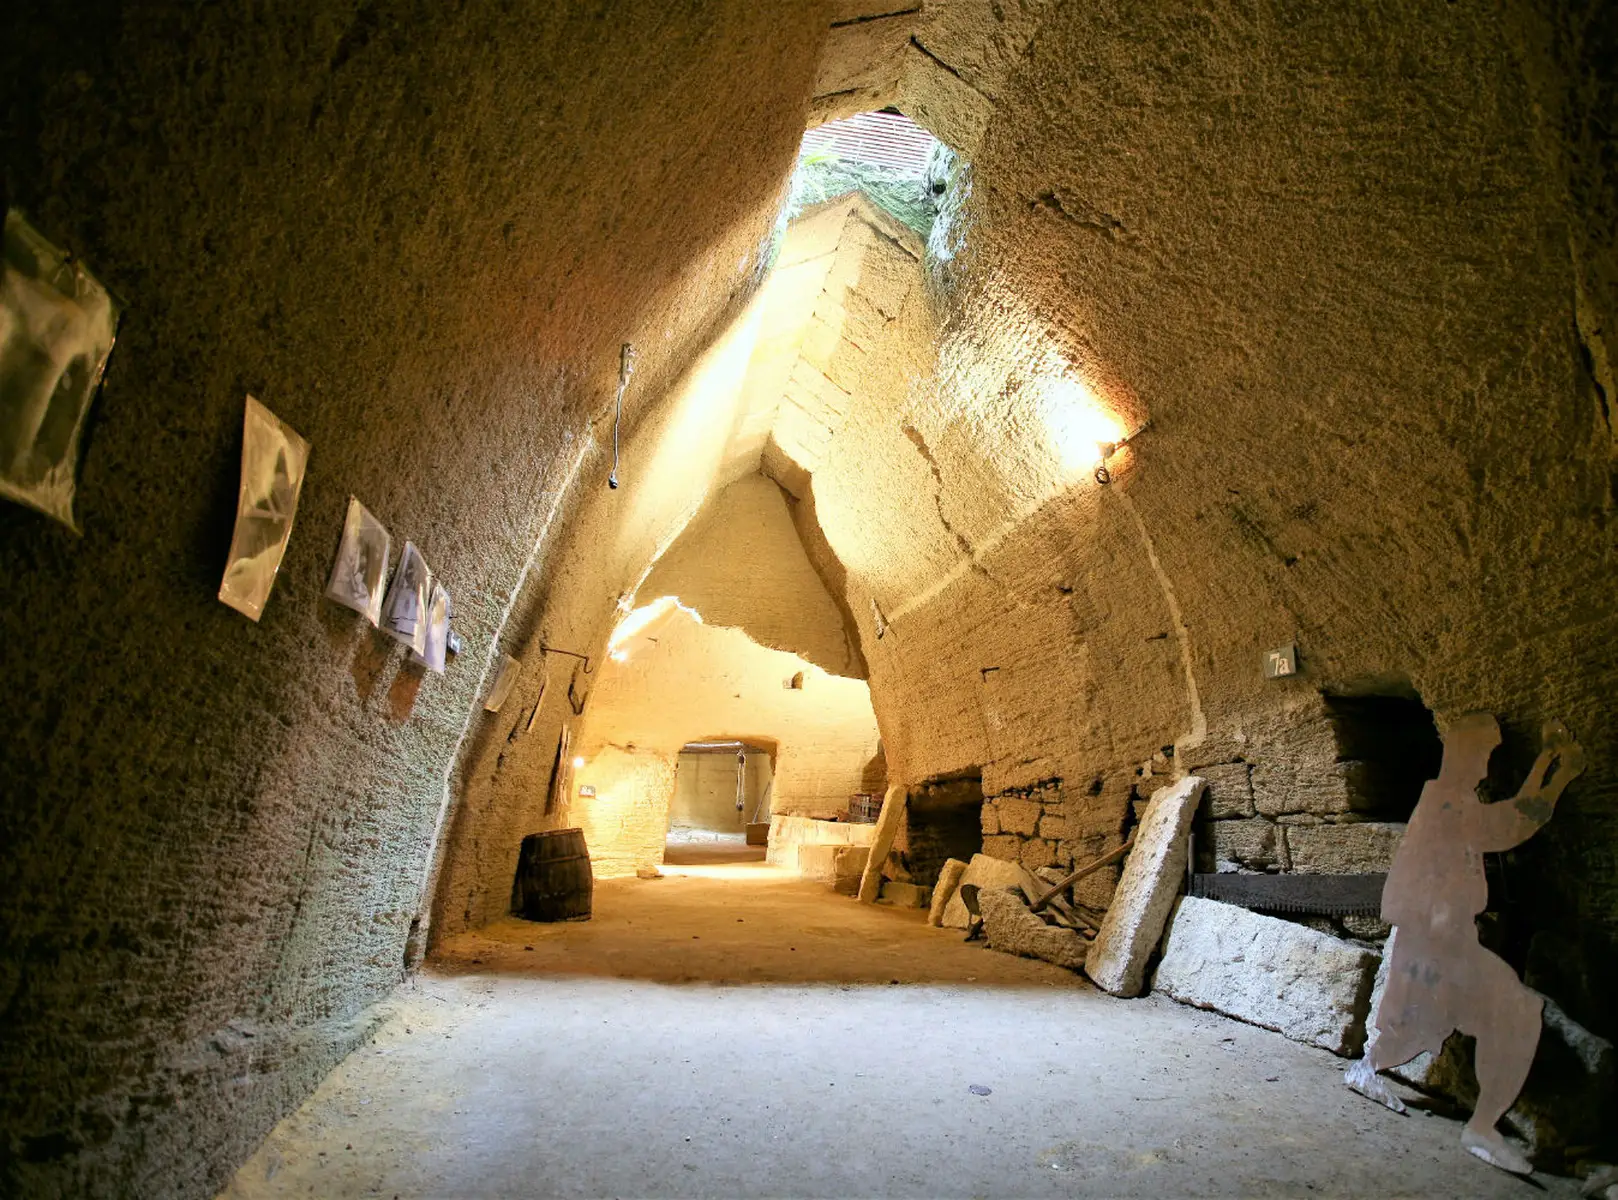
x=880, y=139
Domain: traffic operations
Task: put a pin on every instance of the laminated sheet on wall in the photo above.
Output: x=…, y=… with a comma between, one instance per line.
x=274, y=459
x=57, y=325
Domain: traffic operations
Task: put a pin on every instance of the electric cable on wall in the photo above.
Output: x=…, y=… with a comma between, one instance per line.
x=626, y=368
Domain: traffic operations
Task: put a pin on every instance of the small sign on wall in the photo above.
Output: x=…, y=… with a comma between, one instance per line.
x=587, y=789
x=1281, y=663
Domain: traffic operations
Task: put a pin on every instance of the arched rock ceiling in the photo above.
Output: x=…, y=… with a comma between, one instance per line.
x=945, y=63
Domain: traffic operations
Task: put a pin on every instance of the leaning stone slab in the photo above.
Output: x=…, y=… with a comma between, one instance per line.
x=944, y=890
x=1312, y=987
x=990, y=874
x=1012, y=929
x=1134, y=921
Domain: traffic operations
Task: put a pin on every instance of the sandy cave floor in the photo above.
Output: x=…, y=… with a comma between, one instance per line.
x=730, y=1030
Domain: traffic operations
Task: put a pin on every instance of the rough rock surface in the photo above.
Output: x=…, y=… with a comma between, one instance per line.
x=1152, y=875
x=346, y=210
x=1012, y=929
x=1307, y=985
x=949, y=879
x=989, y=874
x=1294, y=307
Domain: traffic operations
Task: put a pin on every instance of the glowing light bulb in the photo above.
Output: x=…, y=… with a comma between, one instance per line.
x=1080, y=430
x=618, y=655
x=578, y=762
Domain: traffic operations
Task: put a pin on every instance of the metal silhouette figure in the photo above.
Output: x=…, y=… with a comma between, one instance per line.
x=1440, y=978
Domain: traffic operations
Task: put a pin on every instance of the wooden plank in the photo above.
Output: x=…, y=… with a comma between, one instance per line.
x=1106, y=860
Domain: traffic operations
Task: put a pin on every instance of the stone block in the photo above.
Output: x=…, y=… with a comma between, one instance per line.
x=1053, y=825
x=1312, y=987
x=906, y=895
x=1229, y=792
x=1254, y=843
x=1012, y=929
x=829, y=863
x=1284, y=787
x=949, y=878
x=1360, y=848
x=1215, y=749
x=989, y=874
x=1017, y=815
x=991, y=820
x=1003, y=845
x=1036, y=853
x=788, y=832
x=1134, y=921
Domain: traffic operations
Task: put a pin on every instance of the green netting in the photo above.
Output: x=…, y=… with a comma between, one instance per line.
x=906, y=196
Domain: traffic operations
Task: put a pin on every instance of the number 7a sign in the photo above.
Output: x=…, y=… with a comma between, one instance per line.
x=1278, y=664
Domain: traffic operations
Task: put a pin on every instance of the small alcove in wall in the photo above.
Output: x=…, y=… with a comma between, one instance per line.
x=1390, y=748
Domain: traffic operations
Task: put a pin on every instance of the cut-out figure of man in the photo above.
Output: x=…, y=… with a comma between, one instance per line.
x=1439, y=977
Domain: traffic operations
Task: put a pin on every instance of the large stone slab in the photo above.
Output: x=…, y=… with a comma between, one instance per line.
x=887, y=828
x=1312, y=987
x=1012, y=929
x=990, y=874
x=949, y=878
x=1140, y=906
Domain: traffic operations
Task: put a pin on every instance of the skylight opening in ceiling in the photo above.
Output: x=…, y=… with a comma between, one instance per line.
x=898, y=165
x=878, y=139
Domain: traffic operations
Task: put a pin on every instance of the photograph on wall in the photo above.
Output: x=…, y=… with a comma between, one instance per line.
x=274, y=458
x=505, y=680
x=361, y=569
x=404, y=612
x=438, y=615
x=56, y=331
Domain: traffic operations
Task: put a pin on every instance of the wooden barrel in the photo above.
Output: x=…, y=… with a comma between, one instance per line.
x=554, y=881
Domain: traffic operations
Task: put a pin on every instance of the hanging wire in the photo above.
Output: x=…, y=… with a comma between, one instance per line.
x=626, y=368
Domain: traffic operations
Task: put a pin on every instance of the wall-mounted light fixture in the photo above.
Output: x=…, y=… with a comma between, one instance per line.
x=1108, y=449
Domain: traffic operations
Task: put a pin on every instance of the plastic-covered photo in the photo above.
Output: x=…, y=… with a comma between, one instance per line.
x=404, y=612
x=362, y=563
x=56, y=331
x=504, y=681
x=438, y=615
x=273, y=461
